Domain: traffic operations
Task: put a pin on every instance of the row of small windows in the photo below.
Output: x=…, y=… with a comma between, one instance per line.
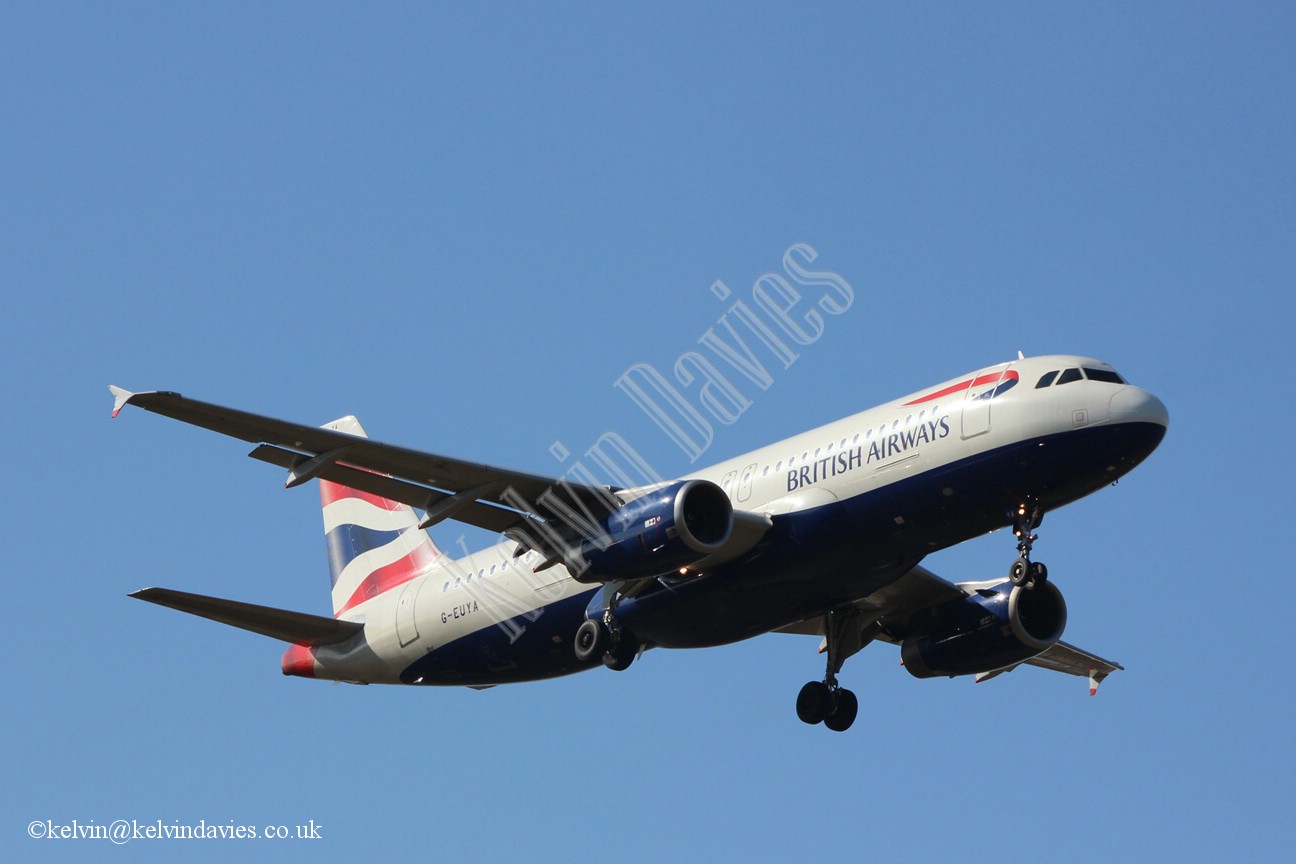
x=868, y=435
x=1066, y=376
x=484, y=572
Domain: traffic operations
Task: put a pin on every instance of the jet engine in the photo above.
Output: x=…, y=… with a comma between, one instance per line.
x=661, y=532
x=990, y=629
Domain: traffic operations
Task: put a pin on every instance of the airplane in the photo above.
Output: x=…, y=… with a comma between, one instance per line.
x=819, y=534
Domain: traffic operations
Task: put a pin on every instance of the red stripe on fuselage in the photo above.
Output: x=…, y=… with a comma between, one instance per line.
x=988, y=378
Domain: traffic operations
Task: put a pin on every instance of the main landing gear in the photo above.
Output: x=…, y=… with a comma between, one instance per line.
x=826, y=701
x=618, y=646
x=1024, y=572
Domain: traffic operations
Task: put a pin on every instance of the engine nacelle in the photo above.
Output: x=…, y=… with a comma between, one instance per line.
x=660, y=532
x=991, y=629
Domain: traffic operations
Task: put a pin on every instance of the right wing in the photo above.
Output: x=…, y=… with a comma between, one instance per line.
x=897, y=610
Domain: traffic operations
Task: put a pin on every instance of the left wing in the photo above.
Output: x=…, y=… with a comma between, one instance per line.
x=496, y=499
x=896, y=611
x=552, y=516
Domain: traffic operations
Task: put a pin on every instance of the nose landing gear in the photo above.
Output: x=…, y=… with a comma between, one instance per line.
x=1024, y=572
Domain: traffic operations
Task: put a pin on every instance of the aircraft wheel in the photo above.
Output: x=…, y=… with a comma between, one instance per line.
x=1020, y=572
x=622, y=653
x=1038, y=572
x=845, y=707
x=591, y=640
x=814, y=702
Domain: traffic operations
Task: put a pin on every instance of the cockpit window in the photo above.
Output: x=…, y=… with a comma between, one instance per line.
x=1069, y=375
x=1106, y=375
x=1047, y=379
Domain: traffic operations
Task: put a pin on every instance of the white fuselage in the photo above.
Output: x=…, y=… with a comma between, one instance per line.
x=908, y=444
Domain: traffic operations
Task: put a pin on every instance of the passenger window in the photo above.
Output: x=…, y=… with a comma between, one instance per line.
x=1047, y=379
x=1068, y=376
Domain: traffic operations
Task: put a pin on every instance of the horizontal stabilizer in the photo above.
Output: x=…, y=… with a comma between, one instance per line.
x=295, y=627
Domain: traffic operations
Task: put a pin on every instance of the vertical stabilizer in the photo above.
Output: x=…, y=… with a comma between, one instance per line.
x=374, y=544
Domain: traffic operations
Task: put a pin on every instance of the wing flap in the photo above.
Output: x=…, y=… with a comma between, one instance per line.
x=295, y=627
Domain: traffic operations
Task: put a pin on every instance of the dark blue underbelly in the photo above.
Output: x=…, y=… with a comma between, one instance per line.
x=814, y=560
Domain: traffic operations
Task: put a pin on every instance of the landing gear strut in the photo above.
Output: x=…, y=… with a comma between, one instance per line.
x=1024, y=572
x=826, y=701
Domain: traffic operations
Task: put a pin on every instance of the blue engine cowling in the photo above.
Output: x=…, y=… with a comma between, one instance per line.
x=991, y=629
x=660, y=532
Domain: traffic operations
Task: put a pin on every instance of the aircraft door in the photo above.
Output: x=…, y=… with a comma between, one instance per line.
x=978, y=398
x=745, y=482
x=406, y=625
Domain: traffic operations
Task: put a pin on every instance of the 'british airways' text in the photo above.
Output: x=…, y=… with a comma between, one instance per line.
x=881, y=448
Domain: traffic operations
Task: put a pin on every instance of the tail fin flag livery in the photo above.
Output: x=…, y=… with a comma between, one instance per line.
x=374, y=544
x=818, y=534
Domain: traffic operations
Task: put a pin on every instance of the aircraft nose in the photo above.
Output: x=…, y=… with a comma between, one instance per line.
x=1134, y=405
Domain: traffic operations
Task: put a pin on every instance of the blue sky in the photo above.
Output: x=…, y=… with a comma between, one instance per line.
x=463, y=226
